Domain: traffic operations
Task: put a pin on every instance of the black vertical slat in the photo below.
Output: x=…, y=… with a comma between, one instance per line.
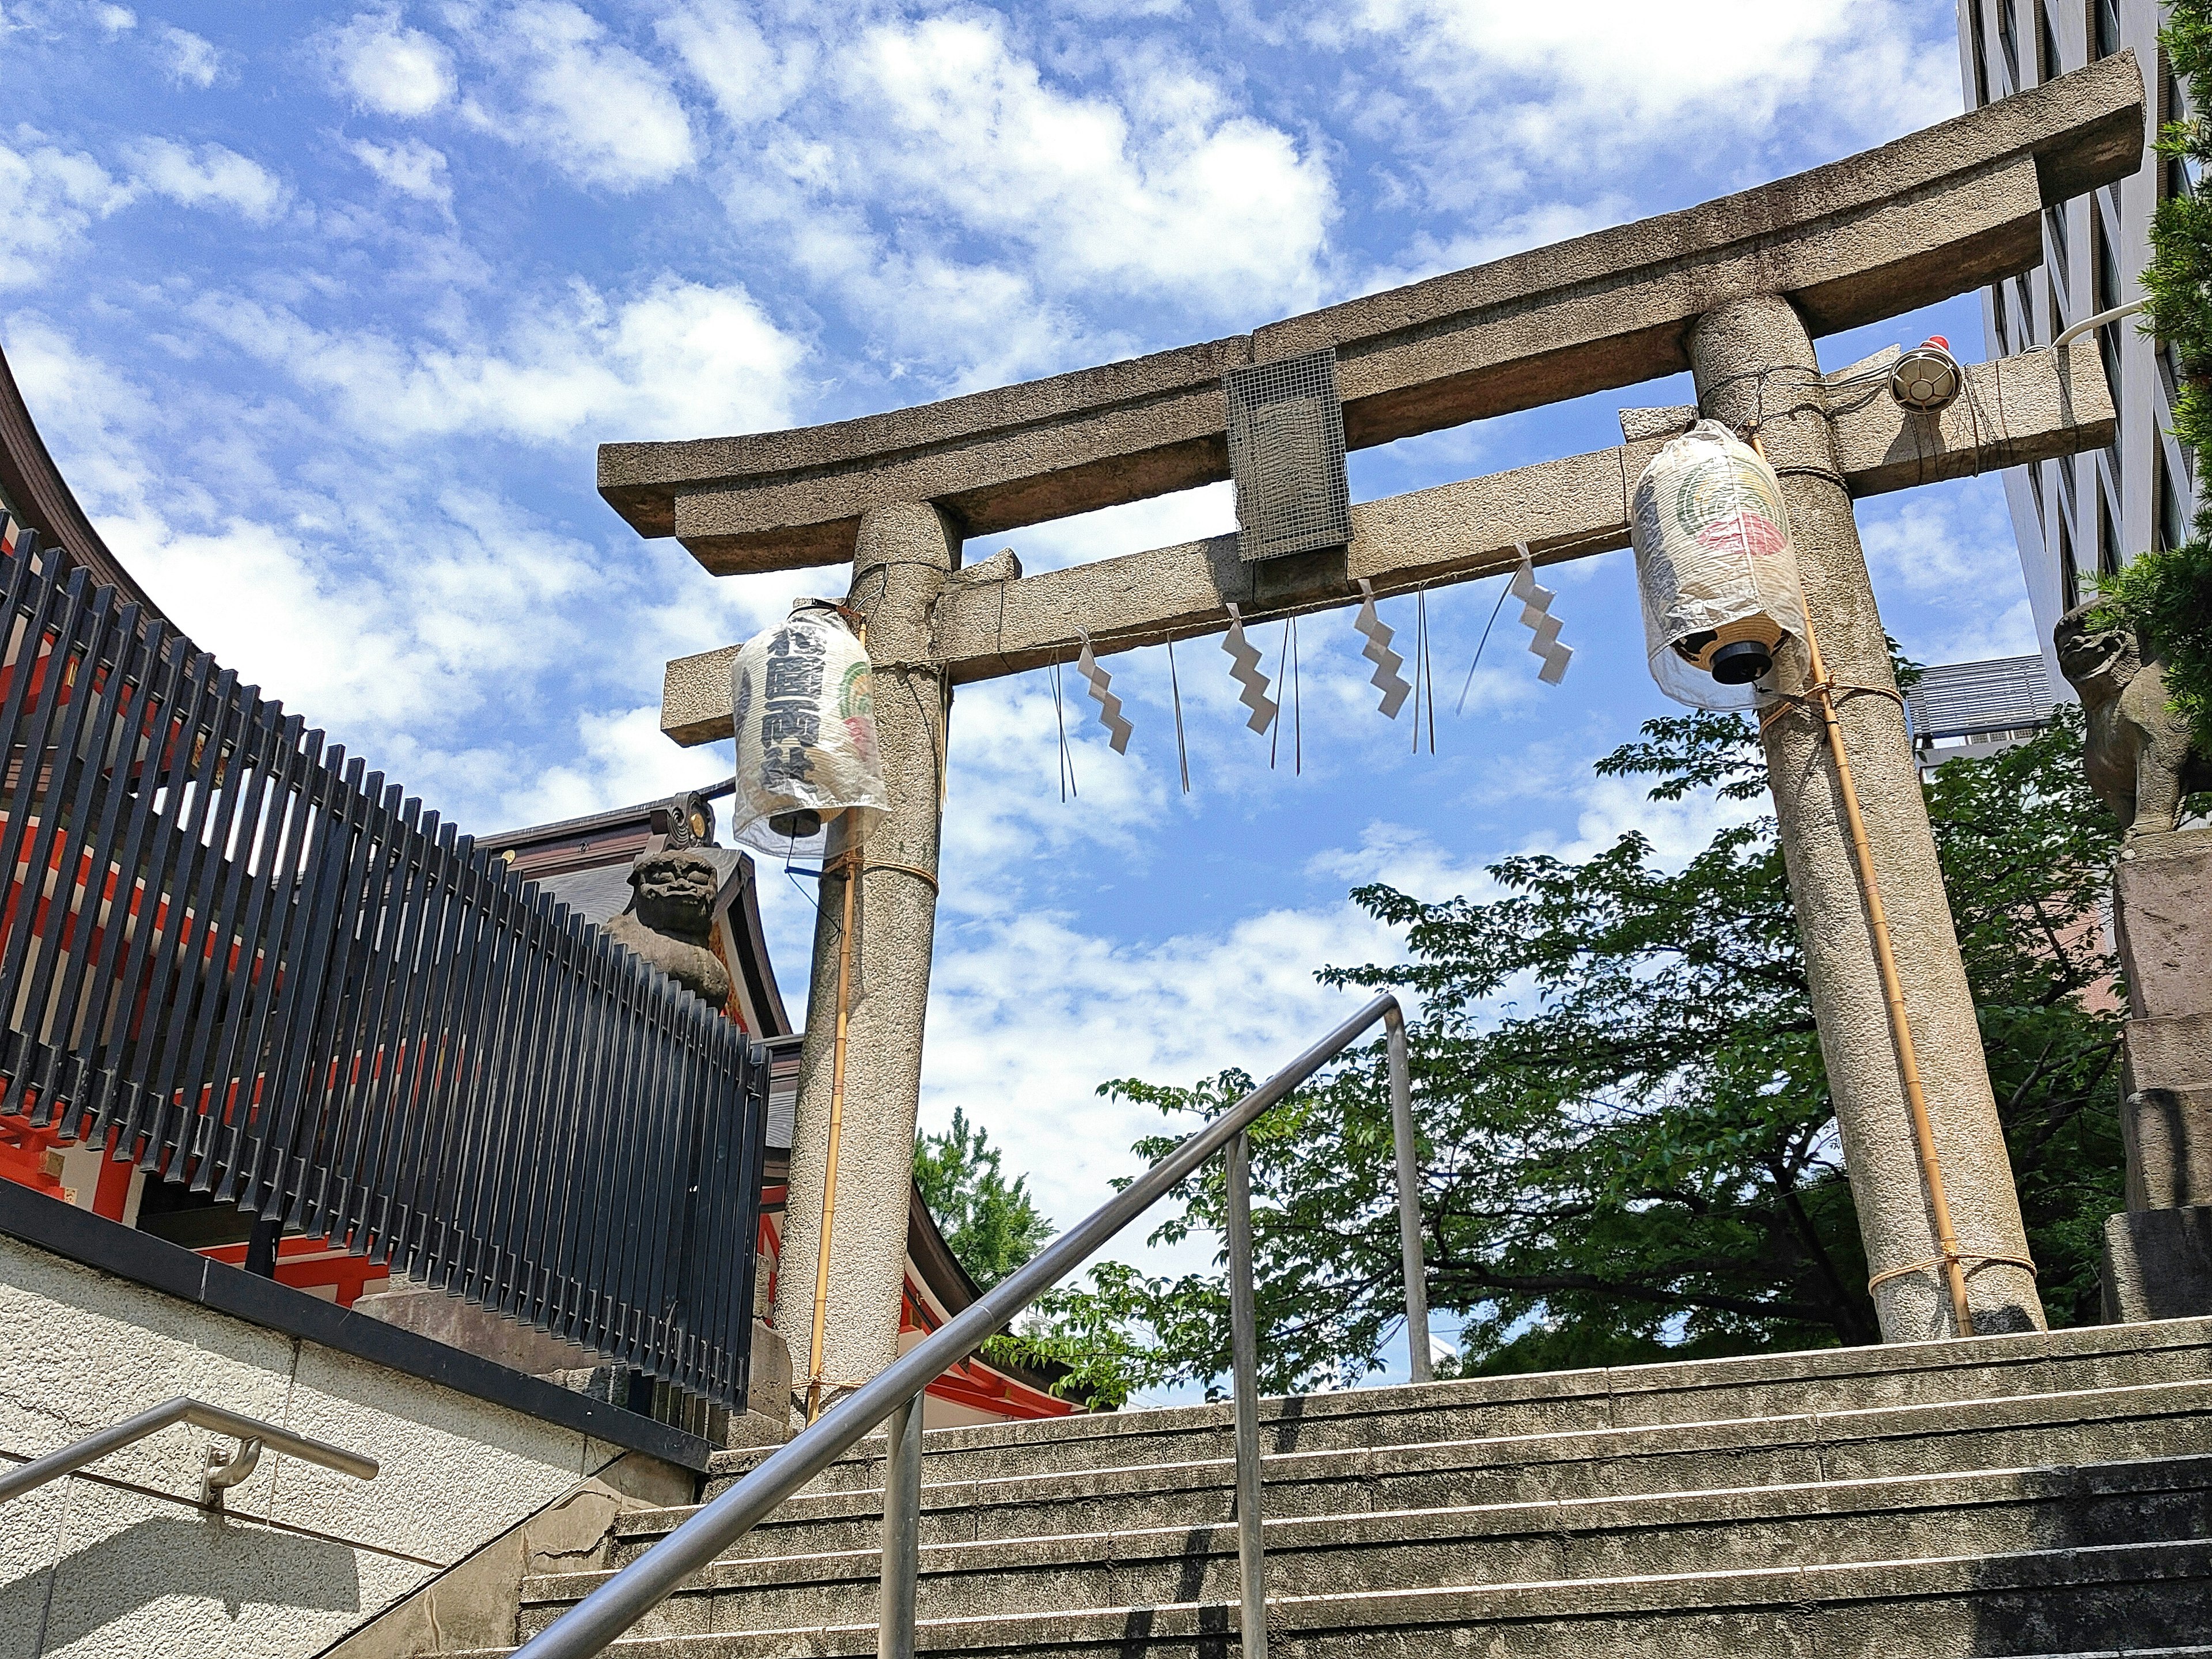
x=57, y=847
x=404, y=913
x=652, y=1198
x=105, y=769
x=752, y=1170
x=688, y=1253
x=568, y=1154
x=232, y=924
x=23, y=590
x=35, y=599
x=411, y=1110
x=619, y=1131
x=94, y=833
x=533, y=1162
x=506, y=1121
x=301, y=871
x=615, y=1254
x=96, y=1088
x=190, y=884
x=157, y=934
x=162, y=775
x=551, y=1080
x=480, y=1101
x=486, y=987
x=23, y=800
x=236, y=1063
x=353, y=981
x=299, y=1007
x=336, y=1019
x=596, y=1104
x=727, y=1213
x=445, y=1062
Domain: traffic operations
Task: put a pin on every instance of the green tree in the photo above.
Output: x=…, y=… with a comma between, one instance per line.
x=1629, y=1150
x=990, y=1223
x=2167, y=594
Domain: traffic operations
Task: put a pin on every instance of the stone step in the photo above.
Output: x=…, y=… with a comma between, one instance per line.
x=1556, y=1402
x=1988, y=1512
x=2097, y=1426
x=1961, y=1607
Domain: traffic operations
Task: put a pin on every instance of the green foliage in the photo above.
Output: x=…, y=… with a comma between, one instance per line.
x=990, y=1224
x=1629, y=1150
x=2167, y=594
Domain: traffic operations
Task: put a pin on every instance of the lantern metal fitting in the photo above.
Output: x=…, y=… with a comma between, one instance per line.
x=1927, y=377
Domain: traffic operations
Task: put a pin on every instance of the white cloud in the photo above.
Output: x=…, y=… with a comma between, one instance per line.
x=190, y=59
x=560, y=86
x=210, y=175
x=49, y=196
x=678, y=360
x=410, y=167
x=390, y=68
x=114, y=20
x=1506, y=93
x=1182, y=196
x=1947, y=571
x=750, y=79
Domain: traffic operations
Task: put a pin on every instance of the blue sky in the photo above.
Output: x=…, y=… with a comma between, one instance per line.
x=323, y=310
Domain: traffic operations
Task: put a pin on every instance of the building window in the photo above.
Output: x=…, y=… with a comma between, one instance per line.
x=1997, y=310
x=2069, y=577
x=2025, y=311
x=2009, y=40
x=2104, y=27
x=2106, y=297
x=1980, y=43
x=2176, y=174
x=2060, y=256
x=2173, y=529
x=2035, y=488
x=2108, y=539
x=2047, y=61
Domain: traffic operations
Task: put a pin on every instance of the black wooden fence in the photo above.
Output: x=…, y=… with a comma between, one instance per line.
x=263, y=972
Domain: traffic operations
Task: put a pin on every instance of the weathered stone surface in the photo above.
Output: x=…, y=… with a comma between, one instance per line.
x=2137, y=752
x=472, y=1329
x=1937, y=213
x=905, y=555
x=671, y=919
x=2035, y=406
x=2162, y=919
x=1995, y=1496
x=1737, y=351
x=2174, y=1053
x=2157, y=1264
x=2167, y=1133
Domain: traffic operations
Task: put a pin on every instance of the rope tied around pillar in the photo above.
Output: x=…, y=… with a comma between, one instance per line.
x=1947, y=1261
x=1790, y=702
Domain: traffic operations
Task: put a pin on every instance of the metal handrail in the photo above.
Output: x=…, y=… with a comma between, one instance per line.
x=588, y=1628
x=252, y=1435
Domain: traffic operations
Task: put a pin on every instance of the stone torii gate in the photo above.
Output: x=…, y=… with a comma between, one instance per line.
x=1735, y=291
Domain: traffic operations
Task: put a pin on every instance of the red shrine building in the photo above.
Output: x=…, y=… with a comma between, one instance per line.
x=584, y=863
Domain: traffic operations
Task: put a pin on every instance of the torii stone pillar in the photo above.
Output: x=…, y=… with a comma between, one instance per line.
x=1753, y=360
x=903, y=558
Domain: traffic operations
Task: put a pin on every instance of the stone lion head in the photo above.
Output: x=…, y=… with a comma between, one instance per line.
x=676, y=889
x=2097, y=657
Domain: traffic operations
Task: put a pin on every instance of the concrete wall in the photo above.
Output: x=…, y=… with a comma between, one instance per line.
x=128, y=1565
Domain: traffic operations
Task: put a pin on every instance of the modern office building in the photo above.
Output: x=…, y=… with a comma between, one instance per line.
x=2076, y=517
x=1970, y=710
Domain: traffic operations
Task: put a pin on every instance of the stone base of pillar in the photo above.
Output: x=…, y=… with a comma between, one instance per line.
x=2157, y=1264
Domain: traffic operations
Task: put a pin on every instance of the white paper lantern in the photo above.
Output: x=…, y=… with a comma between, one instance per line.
x=1715, y=568
x=805, y=732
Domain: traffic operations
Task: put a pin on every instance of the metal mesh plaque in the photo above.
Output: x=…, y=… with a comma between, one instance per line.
x=1286, y=449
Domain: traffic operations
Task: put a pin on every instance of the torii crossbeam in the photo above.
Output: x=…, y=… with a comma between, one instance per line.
x=1733, y=291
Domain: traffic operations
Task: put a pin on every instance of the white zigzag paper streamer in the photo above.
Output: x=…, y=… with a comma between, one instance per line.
x=1247, y=672
x=1110, y=706
x=1388, y=680
x=1536, y=616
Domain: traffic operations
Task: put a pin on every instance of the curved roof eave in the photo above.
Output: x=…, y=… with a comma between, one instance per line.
x=43, y=500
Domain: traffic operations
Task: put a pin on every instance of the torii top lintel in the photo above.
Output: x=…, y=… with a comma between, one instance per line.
x=1934, y=214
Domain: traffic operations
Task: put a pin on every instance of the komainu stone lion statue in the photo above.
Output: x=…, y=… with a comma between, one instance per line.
x=668, y=921
x=2137, y=757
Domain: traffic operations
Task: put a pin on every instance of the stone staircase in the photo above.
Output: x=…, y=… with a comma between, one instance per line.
x=2031, y=1495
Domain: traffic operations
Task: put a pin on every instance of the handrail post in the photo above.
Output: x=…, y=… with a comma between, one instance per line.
x=901, y=1531
x=1244, y=1366
x=1409, y=1199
